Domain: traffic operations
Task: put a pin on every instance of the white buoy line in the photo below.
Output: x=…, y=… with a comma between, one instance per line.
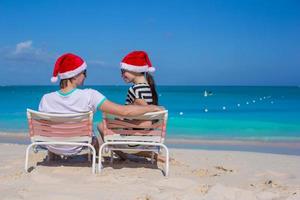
x=239, y=104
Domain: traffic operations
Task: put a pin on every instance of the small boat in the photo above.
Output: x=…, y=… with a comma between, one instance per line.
x=207, y=93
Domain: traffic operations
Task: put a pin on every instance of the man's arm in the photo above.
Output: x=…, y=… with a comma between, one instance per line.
x=140, y=102
x=128, y=110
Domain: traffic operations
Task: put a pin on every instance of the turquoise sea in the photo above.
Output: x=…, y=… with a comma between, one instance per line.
x=229, y=112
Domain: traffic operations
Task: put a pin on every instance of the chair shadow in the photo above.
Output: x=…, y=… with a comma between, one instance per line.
x=131, y=162
x=74, y=161
x=82, y=161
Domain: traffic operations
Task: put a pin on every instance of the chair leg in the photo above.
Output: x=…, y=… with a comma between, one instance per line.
x=94, y=161
x=88, y=145
x=100, y=166
x=27, y=156
x=166, y=171
x=94, y=158
x=166, y=168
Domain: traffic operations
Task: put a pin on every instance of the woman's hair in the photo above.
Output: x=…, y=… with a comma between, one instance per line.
x=151, y=83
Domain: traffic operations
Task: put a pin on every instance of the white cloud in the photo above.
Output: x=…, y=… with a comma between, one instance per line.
x=26, y=52
x=23, y=47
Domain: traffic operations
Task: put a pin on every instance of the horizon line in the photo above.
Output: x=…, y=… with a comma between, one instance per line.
x=121, y=85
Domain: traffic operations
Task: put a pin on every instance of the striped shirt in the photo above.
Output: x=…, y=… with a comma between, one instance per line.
x=139, y=91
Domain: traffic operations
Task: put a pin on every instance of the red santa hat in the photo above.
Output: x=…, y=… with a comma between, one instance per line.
x=68, y=66
x=137, y=61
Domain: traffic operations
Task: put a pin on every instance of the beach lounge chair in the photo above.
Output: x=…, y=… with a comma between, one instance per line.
x=122, y=135
x=47, y=129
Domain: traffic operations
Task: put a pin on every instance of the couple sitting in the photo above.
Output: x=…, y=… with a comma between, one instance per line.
x=72, y=70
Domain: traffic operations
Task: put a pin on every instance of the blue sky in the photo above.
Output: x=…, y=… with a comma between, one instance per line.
x=189, y=42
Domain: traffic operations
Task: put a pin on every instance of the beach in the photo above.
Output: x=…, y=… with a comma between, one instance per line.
x=194, y=174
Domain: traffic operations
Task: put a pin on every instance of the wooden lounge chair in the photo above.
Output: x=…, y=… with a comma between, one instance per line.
x=60, y=129
x=130, y=135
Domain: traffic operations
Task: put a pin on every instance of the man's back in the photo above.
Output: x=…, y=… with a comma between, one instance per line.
x=75, y=101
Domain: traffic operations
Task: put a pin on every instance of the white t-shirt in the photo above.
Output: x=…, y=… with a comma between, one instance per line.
x=75, y=101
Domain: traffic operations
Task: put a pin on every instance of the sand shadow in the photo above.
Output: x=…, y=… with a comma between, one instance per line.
x=131, y=162
x=74, y=161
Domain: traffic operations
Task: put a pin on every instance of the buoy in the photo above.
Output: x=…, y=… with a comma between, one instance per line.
x=247, y=102
x=205, y=110
x=224, y=108
x=238, y=105
x=253, y=101
x=181, y=113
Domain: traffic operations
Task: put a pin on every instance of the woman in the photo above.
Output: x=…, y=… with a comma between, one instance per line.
x=136, y=68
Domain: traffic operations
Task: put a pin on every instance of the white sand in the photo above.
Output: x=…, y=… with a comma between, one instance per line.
x=194, y=174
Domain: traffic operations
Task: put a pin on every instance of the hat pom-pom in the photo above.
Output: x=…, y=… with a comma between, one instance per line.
x=54, y=79
x=151, y=69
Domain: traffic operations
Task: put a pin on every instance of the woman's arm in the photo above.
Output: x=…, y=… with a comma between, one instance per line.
x=128, y=110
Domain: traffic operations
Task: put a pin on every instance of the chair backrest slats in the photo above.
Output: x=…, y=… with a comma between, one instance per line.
x=112, y=123
x=46, y=133
x=64, y=125
x=150, y=124
x=59, y=125
x=133, y=132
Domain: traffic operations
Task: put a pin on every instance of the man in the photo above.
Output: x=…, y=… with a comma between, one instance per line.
x=72, y=70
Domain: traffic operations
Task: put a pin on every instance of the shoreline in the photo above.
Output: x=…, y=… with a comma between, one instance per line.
x=259, y=146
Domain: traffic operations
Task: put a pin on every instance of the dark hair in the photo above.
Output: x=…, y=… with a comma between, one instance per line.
x=64, y=82
x=151, y=83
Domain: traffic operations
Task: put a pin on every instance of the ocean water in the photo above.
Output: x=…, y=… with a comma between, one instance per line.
x=235, y=112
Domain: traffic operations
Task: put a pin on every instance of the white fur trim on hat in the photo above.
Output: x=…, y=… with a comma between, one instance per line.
x=73, y=73
x=133, y=68
x=151, y=69
x=54, y=79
